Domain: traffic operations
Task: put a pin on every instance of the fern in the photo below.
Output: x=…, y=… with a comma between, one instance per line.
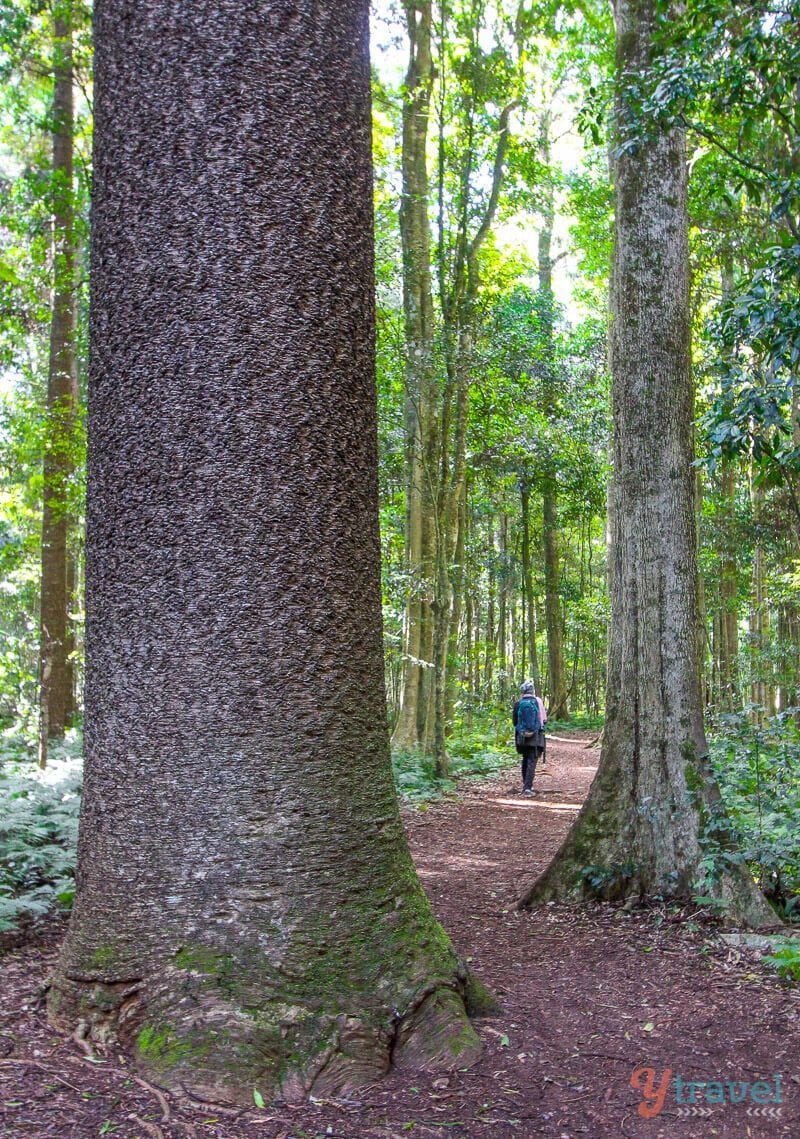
x=786, y=959
x=38, y=837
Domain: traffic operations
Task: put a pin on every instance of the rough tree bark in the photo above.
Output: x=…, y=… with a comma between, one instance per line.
x=247, y=914
x=55, y=697
x=641, y=829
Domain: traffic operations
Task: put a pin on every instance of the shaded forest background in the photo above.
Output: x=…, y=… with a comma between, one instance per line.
x=493, y=205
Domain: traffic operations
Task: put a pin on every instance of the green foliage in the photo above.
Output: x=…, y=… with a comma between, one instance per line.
x=757, y=337
x=607, y=882
x=473, y=755
x=481, y=753
x=29, y=191
x=786, y=959
x=415, y=777
x=38, y=834
x=758, y=768
x=20, y=526
x=581, y=721
x=728, y=74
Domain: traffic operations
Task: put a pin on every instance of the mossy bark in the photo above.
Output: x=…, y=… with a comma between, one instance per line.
x=247, y=912
x=654, y=808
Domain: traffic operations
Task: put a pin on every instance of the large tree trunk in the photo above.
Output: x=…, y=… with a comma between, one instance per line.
x=62, y=399
x=247, y=915
x=641, y=829
x=421, y=395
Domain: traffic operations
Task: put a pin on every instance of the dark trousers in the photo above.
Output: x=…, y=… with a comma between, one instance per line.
x=529, y=757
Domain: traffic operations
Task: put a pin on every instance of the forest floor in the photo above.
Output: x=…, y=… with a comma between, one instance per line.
x=589, y=995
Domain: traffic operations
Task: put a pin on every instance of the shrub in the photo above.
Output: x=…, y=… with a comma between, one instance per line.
x=786, y=959
x=472, y=756
x=38, y=834
x=758, y=767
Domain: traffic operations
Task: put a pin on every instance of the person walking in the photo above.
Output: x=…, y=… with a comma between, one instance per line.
x=528, y=734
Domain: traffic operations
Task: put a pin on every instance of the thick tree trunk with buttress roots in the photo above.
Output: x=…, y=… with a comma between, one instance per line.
x=247, y=914
x=641, y=830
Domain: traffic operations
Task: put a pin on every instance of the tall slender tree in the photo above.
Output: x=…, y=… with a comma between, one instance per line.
x=727, y=647
x=727, y=640
x=530, y=658
x=556, y=674
x=411, y=729
x=247, y=913
x=762, y=688
x=62, y=400
x=470, y=83
x=654, y=800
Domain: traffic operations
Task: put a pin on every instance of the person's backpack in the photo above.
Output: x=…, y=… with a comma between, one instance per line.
x=529, y=722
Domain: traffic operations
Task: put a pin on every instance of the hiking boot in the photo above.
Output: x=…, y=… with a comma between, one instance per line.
x=527, y=791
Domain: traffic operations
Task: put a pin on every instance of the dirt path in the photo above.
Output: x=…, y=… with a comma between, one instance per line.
x=589, y=996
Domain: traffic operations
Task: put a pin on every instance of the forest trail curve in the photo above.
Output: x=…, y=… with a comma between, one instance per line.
x=511, y=836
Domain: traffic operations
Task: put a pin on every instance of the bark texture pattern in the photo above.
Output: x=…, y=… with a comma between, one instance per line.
x=248, y=915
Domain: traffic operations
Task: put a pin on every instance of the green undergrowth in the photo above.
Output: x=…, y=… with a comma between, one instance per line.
x=785, y=957
x=39, y=814
x=583, y=722
x=758, y=768
x=39, y=809
x=472, y=756
x=38, y=831
x=484, y=749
